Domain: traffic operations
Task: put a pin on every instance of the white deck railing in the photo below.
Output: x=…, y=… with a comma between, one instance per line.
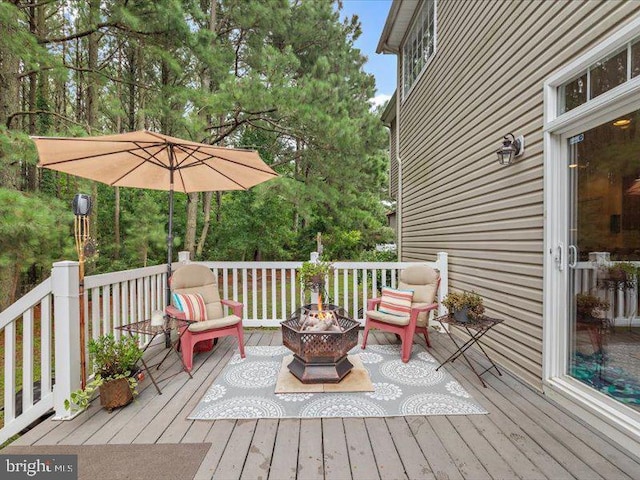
x=270, y=291
x=26, y=399
x=623, y=302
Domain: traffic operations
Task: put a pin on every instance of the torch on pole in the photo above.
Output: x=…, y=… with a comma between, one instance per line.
x=81, y=211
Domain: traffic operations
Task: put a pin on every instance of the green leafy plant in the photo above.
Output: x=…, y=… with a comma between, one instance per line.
x=312, y=275
x=112, y=359
x=458, y=301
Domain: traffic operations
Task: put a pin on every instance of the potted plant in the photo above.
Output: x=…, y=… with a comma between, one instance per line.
x=464, y=306
x=312, y=275
x=590, y=309
x=115, y=377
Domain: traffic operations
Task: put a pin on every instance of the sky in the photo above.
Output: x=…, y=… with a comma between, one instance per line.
x=372, y=15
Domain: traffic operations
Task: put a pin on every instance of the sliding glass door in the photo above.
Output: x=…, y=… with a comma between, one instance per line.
x=603, y=257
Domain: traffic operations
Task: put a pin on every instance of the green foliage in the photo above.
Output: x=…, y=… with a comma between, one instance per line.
x=112, y=360
x=312, y=275
x=377, y=256
x=34, y=231
x=281, y=77
x=80, y=399
x=113, y=357
x=457, y=301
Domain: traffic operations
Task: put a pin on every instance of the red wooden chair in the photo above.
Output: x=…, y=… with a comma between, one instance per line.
x=424, y=281
x=192, y=279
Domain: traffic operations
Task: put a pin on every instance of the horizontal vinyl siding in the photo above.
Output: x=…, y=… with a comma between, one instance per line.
x=393, y=164
x=485, y=81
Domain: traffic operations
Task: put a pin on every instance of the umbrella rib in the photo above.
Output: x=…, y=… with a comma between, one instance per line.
x=131, y=170
x=152, y=159
x=97, y=155
x=203, y=162
x=213, y=155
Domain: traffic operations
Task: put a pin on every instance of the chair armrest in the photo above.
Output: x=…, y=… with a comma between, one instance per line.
x=236, y=307
x=426, y=308
x=173, y=312
x=415, y=311
x=372, y=303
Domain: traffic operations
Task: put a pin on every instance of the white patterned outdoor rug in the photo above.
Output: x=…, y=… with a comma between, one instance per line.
x=245, y=389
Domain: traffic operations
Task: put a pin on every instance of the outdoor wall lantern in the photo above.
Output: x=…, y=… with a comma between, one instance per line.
x=82, y=205
x=512, y=147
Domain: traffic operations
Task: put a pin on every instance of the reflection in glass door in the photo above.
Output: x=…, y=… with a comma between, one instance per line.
x=604, y=258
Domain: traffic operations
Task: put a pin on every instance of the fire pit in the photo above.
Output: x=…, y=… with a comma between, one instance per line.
x=320, y=339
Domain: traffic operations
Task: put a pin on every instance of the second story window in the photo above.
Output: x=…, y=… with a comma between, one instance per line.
x=419, y=45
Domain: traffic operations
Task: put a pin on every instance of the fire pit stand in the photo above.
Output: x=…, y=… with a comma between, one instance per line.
x=319, y=356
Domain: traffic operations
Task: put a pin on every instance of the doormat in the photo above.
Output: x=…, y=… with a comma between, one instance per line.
x=246, y=389
x=357, y=380
x=168, y=461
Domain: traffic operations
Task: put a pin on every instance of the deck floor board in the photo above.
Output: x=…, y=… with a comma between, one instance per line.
x=525, y=435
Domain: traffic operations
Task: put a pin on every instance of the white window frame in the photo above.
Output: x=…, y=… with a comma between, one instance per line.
x=616, y=420
x=417, y=17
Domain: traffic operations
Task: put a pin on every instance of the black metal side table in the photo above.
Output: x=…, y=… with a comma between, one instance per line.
x=476, y=329
x=144, y=327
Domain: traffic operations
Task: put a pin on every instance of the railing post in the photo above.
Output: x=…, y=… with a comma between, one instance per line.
x=442, y=263
x=184, y=257
x=314, y=257
x=65, y=286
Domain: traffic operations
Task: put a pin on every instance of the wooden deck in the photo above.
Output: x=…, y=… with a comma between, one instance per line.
x=525, y=436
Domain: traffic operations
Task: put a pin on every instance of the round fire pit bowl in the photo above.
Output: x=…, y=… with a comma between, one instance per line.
x=319, y=356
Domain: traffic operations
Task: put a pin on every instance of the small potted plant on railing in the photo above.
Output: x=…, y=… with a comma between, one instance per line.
x=464, y=306
x=115, y=377
x=312, y=275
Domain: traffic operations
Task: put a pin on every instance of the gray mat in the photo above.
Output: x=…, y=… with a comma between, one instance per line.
x=179, y=461
x=245, y=389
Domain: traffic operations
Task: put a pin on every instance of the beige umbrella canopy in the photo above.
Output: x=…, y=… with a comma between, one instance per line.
x=151, y=160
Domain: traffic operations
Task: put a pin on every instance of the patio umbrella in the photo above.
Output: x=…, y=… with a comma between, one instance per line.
x=151, y=160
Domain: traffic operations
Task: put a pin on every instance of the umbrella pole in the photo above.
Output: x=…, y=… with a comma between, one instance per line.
x=167, y=338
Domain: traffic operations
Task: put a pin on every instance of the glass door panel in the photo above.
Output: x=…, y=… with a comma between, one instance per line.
x=604, y=258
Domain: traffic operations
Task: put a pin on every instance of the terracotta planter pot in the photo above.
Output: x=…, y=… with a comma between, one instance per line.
x=115, y=394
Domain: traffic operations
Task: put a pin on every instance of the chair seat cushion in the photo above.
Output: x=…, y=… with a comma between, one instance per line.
x=396, y=302
x=399, y=320
x=214, y=324
x=192, y=304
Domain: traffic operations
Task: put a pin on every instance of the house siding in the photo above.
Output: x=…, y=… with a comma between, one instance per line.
x=486, y=80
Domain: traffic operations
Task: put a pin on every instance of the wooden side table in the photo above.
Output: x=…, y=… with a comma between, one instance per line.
x=476, y=329
x=144, y=327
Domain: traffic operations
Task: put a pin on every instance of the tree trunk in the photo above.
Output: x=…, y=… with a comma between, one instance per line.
x=208, y=196
x=218, y=207
x=116, y=224
x=92, y=54
x=192, y=218
x=9, y=83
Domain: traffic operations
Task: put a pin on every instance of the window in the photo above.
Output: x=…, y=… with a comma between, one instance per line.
x=419, y=45
x=600, y=77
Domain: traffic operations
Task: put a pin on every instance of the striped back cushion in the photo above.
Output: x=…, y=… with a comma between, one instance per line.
x=192, y=304
x=396, y=302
